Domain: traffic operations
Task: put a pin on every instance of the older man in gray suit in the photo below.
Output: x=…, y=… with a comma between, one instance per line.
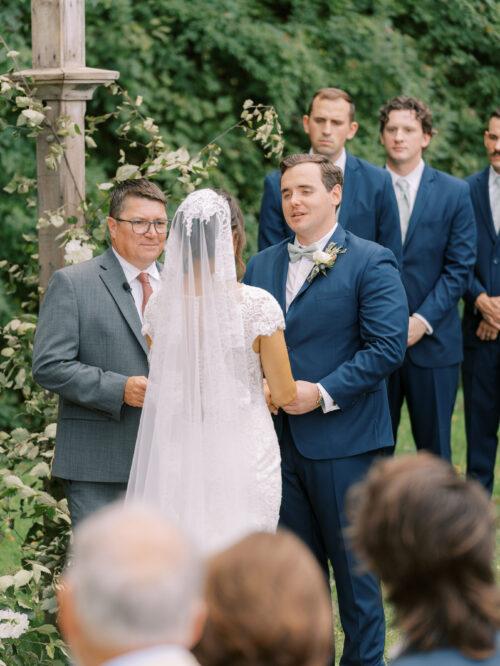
x=89, y=349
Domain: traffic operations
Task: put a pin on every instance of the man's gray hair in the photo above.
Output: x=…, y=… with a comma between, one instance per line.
x=135, y=580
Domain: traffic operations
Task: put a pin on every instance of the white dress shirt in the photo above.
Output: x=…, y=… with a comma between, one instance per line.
x=131, y=273
x=296, y=276
x=494, y=192
x=413, y=179
x=161, y=655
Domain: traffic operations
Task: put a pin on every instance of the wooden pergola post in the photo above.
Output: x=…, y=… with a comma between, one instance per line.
x=62, y=80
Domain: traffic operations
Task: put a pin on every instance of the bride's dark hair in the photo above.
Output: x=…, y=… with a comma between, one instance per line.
x=238, y=229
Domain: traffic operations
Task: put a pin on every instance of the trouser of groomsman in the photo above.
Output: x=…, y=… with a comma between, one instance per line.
x=314, y=493
x=481, y=383
x=430, y=397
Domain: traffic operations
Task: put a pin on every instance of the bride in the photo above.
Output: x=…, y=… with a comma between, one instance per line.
x=207, y=453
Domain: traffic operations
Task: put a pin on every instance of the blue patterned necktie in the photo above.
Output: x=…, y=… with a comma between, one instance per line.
x=295, y=252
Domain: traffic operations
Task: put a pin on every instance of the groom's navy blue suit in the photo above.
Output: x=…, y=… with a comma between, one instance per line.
x=346, y=330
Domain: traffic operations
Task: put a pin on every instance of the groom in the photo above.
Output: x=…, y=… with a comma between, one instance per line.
x=346, y=331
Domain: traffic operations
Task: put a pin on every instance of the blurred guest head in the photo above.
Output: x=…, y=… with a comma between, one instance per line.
x=492, y=139
x=268, y=604
x=430, y=536
x=132, y=583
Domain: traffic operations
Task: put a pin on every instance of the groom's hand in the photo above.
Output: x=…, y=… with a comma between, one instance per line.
x=306, y=399
x=135, y=390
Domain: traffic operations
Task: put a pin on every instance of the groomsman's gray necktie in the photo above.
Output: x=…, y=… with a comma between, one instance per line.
x=495, y=203
x=403, y=198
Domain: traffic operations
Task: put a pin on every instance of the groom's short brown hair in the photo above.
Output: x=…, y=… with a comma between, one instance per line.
x=331, y=175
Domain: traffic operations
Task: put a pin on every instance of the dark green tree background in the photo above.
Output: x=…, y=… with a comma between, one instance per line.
x=195, y=63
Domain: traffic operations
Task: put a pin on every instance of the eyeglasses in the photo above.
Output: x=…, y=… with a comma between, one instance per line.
x=141, y=227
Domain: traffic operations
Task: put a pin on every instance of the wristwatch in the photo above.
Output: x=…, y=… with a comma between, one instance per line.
x=320, y=402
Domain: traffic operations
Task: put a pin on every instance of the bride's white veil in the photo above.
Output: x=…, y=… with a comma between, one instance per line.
x=193, y=458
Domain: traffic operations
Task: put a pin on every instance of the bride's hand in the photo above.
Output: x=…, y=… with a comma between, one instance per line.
x=267, y=394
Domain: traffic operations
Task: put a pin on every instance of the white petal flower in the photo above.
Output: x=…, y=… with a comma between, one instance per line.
x=76, y=251
x=13, y=625
x=321, y=257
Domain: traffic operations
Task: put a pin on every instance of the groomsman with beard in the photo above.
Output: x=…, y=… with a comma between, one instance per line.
x=439, y=244
x=481, y=322
x=368, y=208
x=346, y=328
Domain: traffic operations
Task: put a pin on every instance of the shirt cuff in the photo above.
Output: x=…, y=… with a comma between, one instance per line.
x=429, y=328
x=327, y=404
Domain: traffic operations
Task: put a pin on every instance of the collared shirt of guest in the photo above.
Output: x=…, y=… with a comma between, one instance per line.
x=296, y=276
x=131, y=274
x=413, y=178
x=494, y=195
x=340, y=161
x=161, y=655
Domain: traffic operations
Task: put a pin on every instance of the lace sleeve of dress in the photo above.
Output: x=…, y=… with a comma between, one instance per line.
x=269, y=317
x=148, y=327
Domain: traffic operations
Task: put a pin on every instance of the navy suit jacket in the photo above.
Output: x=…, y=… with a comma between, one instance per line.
x=347, y=330
x=486, y=276
x=369, y=208
x=438, y=256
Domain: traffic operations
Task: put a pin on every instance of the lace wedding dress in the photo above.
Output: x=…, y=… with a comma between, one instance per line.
x=207, y=454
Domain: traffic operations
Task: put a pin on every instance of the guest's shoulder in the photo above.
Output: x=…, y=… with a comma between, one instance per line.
x=82, y=269
x=447, y=182
x=364, y=251
x=273, y=178
x=446, y=657
x=477, y=177
x=368, y=169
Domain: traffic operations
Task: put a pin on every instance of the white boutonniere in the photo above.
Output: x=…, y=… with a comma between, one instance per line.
x=325, y=259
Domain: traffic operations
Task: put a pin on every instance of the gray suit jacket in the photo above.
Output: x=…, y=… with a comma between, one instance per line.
x=88, y=342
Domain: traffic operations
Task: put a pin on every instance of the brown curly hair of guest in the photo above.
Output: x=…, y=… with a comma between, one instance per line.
x=268, y=605
x=430, y=536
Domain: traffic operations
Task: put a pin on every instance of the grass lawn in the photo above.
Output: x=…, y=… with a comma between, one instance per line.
x=406, y=445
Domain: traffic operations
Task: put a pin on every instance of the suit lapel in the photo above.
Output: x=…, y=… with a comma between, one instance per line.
x=483, y=201
x=280, y=276
x=113, y=278
x=348, y=190
x=338, y=237
x=424, y=192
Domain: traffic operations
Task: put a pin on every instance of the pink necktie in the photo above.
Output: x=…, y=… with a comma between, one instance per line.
x=146, y=289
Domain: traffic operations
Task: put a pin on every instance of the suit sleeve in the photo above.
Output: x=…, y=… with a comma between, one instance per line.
x=475, y=286
x=247, y=278
x=383, y=322
x=55, y=354
x=458, y=265
x=388, y=225
x=272, y=226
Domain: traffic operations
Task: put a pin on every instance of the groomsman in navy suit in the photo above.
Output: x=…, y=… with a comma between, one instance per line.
x=439, y=245
x=369, y=207
x=346, y=327
x=481, y=322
